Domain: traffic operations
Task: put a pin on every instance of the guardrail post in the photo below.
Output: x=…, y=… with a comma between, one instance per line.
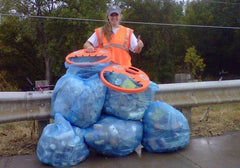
x=41, y=125
x=187, y=113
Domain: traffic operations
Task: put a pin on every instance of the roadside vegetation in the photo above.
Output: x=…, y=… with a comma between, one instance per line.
x=36, y=36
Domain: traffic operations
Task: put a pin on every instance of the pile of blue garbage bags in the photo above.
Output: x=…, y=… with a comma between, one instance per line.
x=88, y=115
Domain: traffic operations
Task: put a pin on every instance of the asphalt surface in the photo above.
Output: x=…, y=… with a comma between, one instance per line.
x=206, y=152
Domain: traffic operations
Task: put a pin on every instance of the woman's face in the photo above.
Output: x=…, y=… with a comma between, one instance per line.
x=114, y=19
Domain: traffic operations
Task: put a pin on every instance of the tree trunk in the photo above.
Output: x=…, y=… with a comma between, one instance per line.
x=44, y=42
x=47, y=65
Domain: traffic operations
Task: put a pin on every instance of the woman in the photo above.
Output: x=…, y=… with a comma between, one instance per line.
x=116, y=38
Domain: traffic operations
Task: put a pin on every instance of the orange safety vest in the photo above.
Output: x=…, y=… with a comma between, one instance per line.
x=118, y=45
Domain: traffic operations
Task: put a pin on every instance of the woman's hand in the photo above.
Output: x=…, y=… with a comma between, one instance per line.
x=88, y=46
x=140, y=45
x=139, y=41
x=90, y=49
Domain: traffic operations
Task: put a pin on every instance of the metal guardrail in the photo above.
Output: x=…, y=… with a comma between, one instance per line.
x=35, y=105
x=19, y=106
x=184, y=96
x=199, y=93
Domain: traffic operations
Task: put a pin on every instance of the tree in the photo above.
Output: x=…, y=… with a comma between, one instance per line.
x=18, y=52
x=158, y=55
x=214, y=44
x=195, y=64
x=51, y=39
x=4, y=85
x=36, y=45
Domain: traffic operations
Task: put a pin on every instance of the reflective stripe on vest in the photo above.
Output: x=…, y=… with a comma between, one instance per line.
x=123, y=46
x=100, y=36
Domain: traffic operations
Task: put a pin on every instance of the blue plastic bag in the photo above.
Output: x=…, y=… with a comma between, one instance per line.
x=61, y=144
x=129, y=106
x=79, y=100
x=86, y=71
x=114, y=137
x=165, y=128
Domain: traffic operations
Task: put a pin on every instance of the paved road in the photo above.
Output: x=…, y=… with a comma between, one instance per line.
x=207, y=152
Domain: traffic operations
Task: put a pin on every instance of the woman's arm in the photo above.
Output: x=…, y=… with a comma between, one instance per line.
x=87, y=45
x=91, y=43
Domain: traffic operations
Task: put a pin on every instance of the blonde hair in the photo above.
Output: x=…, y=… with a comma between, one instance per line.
x=107, y=31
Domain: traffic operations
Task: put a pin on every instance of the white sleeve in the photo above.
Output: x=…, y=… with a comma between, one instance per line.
x=93, y=40
x=133, y=43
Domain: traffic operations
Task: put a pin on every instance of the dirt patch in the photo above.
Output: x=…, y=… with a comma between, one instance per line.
x=18, y=138
x=21, y=138
x=214, y=120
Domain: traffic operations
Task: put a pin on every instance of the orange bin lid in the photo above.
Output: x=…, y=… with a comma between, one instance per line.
x=136, y=74
x=83, y=53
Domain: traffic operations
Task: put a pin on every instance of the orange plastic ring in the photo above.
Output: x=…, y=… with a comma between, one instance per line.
x=134, y=73
x=83, y=53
